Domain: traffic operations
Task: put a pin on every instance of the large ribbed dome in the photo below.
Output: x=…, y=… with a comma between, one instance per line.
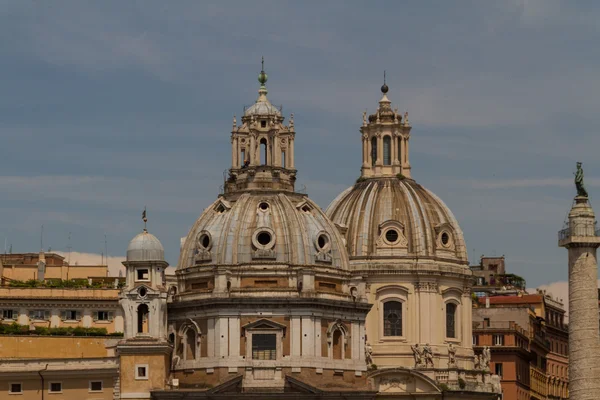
x=397, y=217
x=145, y=247
x=264, y=228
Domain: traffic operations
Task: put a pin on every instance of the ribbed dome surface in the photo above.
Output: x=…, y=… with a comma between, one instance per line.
x=262, y=107
x=397, y=217
x=145, y=247
x=264, y=228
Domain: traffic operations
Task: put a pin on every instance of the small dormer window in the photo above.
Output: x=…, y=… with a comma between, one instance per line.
x=263, y=123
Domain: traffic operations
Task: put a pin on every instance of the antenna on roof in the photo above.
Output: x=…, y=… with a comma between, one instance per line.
x=42, y=239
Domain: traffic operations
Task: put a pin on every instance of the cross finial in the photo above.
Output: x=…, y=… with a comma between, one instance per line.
x=384, y=76
x=262, y=64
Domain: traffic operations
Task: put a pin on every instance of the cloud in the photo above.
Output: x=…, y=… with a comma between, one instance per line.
x=115, y=266
x=527, y=183
x=558, y=290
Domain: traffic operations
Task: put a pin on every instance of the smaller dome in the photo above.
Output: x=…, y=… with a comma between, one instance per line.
x=262, y=107
x=145, y=247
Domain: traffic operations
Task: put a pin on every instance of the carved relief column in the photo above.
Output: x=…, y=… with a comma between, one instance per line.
x=466, y=316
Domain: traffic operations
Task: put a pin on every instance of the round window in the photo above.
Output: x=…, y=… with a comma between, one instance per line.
x=143, y=292
x=391, y=235
x=264, y=238
x=445, y=238
x=264, y=206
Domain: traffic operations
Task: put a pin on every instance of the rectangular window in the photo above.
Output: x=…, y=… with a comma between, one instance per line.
x=392, y=318
x=95, y=386
x=498, y=369
x=264, y=346
x=103, y=316
x=498, y=340
x=141, y=371
x=39, y=315
x=143, y=275
x=15, y=388
x=9, y=314
x=475, y=340
x=486, y=322
x=71, y=315
x=55, y=387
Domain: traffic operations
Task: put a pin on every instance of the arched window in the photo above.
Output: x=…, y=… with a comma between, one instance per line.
x=263, y=145
x=392, y=318
x=242, y=157
x=190, y=344
x=387, y=150
x=450, y=320
x=283, y=159
x=400, y=150
x=373, y=150
x=142, y=322
x=337, y=344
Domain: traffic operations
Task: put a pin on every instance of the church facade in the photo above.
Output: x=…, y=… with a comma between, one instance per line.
x=277, y=298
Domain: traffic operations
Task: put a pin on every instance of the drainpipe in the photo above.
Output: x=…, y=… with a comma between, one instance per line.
x=42, y=378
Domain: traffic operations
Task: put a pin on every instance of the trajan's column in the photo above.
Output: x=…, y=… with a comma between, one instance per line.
x=581, y=239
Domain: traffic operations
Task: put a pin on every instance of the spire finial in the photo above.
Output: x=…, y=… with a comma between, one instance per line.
x=144, y=219
x=262, y=64
x=384, y=88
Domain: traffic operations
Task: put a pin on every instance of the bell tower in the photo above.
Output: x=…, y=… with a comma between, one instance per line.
x=385, y=137
x=262, y=147
x=145, y=352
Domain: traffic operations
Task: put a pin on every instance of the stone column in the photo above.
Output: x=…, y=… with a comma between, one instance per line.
x=295, y=339
x=252, y=150
x=365, y=150
x=291, y=155
x=379, y=150
x=308, y=330
x=234, y=153
x=581, y=241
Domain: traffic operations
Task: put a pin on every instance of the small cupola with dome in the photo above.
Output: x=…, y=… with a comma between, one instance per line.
x=385, y=136
x=262, y=147
x=144, y=296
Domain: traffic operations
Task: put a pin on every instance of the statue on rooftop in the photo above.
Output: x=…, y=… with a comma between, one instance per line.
x=579, y=182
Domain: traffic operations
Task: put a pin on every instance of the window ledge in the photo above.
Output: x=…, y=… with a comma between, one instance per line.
x=452, y=340
x=393, y=339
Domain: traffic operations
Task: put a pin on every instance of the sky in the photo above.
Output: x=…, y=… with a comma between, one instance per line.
x=108, y=107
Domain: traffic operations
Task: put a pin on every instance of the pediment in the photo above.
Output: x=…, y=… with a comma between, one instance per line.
x=403, y=380
x=304, y=206
x=264, y=324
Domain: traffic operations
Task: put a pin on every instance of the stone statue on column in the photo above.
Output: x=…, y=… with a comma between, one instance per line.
x=486, y=357
x=579, y=182
x=477, y=361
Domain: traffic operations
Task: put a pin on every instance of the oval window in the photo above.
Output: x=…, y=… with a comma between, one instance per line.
x=322, y=241
x=264, y=206
x=264, y=238
x=391, y=235
x=204, y=241
x=143, y=292
x=445, y=238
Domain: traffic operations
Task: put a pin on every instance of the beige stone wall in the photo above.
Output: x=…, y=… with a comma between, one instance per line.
x=53, y=347
x=73, y=388
x=26, y=272
x=157, y=372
